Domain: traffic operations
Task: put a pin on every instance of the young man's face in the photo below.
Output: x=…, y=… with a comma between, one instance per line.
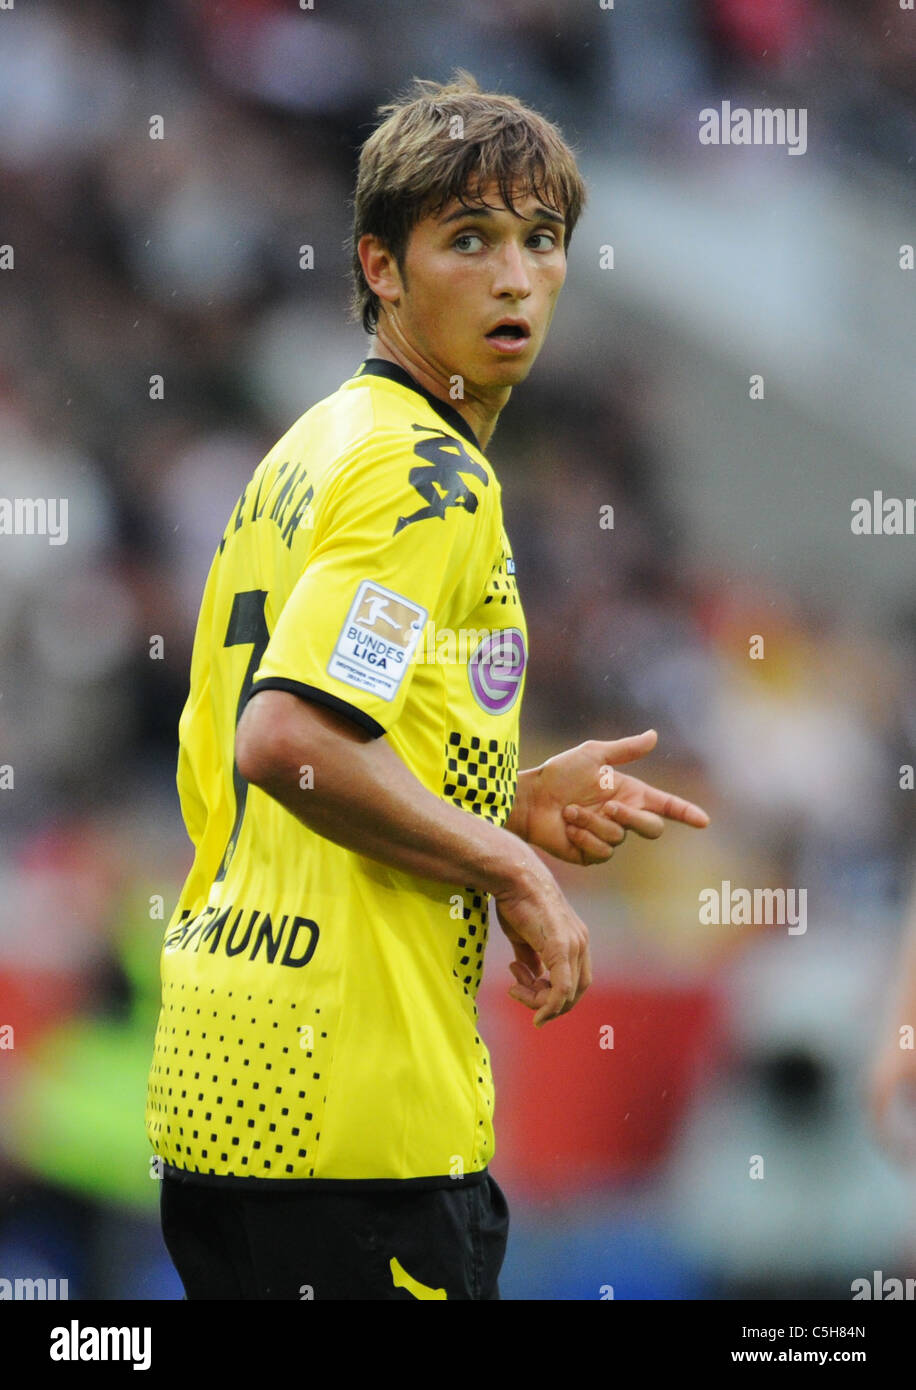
x=467, y=270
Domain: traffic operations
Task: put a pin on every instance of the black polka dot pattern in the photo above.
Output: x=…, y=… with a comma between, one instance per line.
x=223, y=1105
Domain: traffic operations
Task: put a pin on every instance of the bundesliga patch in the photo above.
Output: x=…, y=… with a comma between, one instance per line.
x=377, y=640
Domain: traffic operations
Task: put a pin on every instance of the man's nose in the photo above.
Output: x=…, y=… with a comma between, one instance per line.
x=511, y=276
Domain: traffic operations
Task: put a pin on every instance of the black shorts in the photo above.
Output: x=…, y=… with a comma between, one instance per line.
x=446, y=1243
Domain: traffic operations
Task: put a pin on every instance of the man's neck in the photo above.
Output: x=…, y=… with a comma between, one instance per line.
x=481, y=415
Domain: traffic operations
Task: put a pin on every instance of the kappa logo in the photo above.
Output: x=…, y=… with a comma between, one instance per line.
x=439, y=481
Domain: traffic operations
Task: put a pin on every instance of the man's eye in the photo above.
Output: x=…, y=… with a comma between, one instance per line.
x=466, y=237
x=550, y=238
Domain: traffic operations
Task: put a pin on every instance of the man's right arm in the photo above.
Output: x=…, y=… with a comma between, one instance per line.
x=365, y=798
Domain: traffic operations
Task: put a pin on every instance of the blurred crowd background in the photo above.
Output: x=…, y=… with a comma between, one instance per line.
x=179, y=257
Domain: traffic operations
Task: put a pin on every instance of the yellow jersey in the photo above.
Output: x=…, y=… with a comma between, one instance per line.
x=318, y=1020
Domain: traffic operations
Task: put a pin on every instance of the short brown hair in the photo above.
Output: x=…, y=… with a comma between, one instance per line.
x=413, y=164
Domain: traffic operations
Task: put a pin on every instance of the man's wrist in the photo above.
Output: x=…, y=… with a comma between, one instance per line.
x=519, y=816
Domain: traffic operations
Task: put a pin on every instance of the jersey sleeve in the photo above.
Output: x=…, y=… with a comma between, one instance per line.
x=402, y=538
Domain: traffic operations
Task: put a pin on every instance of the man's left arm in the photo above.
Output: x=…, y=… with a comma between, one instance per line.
x=578, y=807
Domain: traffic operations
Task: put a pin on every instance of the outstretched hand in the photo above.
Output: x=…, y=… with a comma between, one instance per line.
x=578, y=807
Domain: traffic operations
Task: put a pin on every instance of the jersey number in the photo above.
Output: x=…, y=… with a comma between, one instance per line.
x=247, y=627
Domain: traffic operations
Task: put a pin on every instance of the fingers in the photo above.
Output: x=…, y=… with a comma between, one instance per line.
x=647, y=820
x=645, y=823
x=607, y=825
x=594, y=835
x=533, y=996
x=564, y=981
x=661, y=803
x=552, y=966
x=529, y=989
x=551, y=995
x=527, y=956
x=673, y=807
x=547, y=999
x=627, y=750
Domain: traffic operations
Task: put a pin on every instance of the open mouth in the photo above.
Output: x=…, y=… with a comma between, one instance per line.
x=508, y=333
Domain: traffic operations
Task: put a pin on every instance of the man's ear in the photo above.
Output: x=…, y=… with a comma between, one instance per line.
x=380, y=268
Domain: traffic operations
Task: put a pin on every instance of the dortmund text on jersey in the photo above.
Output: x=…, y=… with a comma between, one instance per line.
x=318, y=1016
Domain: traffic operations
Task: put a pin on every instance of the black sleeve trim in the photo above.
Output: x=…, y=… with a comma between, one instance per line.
x=320, y=697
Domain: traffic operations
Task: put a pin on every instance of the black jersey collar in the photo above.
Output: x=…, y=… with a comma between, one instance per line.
x=380, y=366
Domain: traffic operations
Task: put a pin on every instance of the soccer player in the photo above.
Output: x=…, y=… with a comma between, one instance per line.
x=320, y=1097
